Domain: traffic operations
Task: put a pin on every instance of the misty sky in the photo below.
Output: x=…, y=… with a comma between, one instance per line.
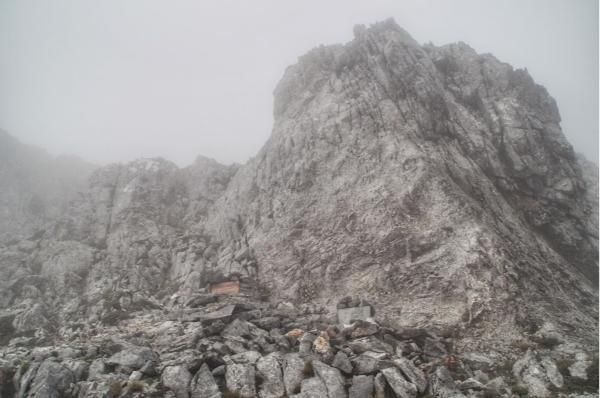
x=117, y=80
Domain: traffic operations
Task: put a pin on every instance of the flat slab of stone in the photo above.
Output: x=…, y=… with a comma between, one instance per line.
x=223, y=313
x=346, y=315
x=198, y=315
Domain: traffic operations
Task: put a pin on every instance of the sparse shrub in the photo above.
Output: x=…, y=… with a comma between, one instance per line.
x=115, y=389
x=490, y=394
x=520, y=345
x=548, y=342
x=24, y=367
x=592, y=373
x=563, y=364
x=459, y=373
x=231, y=394
x=506, y=367
x=575, y=385
x=136, y=385
x=520, y=390
x=308, y=370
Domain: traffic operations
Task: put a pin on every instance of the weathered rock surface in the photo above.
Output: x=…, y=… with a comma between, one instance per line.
x=401, y=387
x=240, y=380
x=433, y=182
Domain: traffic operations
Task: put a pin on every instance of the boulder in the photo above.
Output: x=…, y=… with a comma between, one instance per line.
x=342, y=362
x=223, y=314
x=412, y=373
x=249, y=357
x=580, y=366
x=33, y=318
x=442, y=385
x=97, y=369
x=345, y=316
x=401, y=387
x=52, y=380
x=237, y=330
x=380, y=386
x=363, y=329
x=293, y=373
x=370, y=362
x=313, y=388
x=177, y=379
x=203, y=385
x=332, y=378
x=270, y=372
x=133, y=357
x=240, y=380
x=362, y=387
x=537, y=374
x=471, y=384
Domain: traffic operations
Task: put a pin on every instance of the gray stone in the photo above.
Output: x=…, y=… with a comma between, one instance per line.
x=580, y=366
x=78, y=367
x=313, y=388
x=203, y=385
x=401, y=387
x=363, y=329
x=369, y=363
x=149, y=368
x=249, y=357
x=293, y=373
x=219, y=371
x=269, y=370
x=97, y=369
x=240, y=379
x=222, y=314
x=442, y=385
x=306, y=343
x=177, y=379
x=347, y=315
x=380, y=386
x=342, y=362
x=362, y=387
x=471, y=384
x=332, y=378
x=412, y=373
x=237, y=330
x=537, y=374
x=133, y=357
x=52, y=380
x=136, y=375
x=270, y=322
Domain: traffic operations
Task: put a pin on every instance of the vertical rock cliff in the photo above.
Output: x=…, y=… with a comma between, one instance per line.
x=433, y=180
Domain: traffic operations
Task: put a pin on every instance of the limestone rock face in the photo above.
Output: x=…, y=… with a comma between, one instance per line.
x=434, y=182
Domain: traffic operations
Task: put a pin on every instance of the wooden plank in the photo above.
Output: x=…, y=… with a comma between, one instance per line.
x=231, y=287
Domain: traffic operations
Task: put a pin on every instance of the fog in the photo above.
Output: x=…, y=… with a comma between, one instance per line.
x=117, y=80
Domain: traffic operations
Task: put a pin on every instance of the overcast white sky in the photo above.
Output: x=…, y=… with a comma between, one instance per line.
x=115, y=80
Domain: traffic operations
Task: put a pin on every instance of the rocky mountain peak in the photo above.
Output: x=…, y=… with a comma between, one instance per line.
x=433, y=182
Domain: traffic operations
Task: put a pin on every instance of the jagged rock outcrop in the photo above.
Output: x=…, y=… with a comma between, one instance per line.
x=434, y=182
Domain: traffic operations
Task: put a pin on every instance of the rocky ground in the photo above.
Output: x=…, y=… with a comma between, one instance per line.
x=236, y=346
